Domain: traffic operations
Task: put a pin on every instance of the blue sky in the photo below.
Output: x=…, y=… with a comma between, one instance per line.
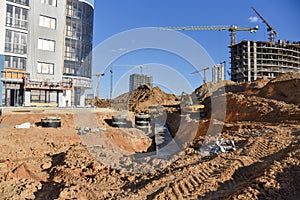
x=172, y=71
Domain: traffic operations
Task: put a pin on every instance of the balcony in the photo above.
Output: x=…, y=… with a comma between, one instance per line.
x=79, y=81
x=21, y=77
x=13, y=75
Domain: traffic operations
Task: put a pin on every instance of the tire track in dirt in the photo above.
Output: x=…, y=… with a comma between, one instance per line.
x=179, y=183
x=268, y=152
x=199, y=179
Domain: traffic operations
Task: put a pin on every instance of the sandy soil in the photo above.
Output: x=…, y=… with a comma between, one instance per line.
x=55, y=163
x=39, y=163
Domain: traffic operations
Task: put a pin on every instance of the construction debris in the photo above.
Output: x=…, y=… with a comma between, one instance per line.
x=260, y=132
x=220, y=146
x=85, y=130
x=24, y=125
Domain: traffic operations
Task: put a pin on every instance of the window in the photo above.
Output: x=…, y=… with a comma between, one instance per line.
x=74, y=8
x=45, y=68
x=16, y=17
x=69, y=68
x=72, y=50
x=73, y=28
x=15, y=62
x=47, y=22
x=49, y=2
x=47, y=45
x=15, y=42
x=22, y=2
x=43, y=96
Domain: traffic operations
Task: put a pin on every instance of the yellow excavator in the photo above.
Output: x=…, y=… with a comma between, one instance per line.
x=187, y=105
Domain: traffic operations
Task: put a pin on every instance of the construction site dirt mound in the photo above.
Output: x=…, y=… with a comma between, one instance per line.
x=142, y=98
x=258, y=109
x=267, y=100
x=102, y=103
x=285, y=87
x=206, y=90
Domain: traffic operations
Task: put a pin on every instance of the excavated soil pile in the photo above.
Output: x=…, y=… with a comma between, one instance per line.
x=102, y=103
x=140, y=99
x=283, y=88
x=252, y=108
x=268, y=100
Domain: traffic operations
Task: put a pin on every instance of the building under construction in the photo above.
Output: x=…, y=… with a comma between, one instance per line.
x=254, y=59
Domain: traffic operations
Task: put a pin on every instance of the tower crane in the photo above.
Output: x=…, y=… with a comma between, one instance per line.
x=204, y=73
x=271, y=30
x=232, y=29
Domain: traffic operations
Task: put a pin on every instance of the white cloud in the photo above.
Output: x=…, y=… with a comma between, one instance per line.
x=253, y=19
x=119, y=50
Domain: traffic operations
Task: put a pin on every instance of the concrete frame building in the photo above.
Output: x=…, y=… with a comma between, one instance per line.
x=254, y=59
x=45, y=52
x=136, y=80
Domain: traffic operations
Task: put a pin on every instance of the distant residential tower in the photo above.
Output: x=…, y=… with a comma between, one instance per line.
x=136, y=80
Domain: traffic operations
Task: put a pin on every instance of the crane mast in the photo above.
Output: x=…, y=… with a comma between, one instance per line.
x=271, y=30
x=204, y=73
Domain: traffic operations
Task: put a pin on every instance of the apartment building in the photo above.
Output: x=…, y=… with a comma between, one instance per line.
x=45, y=52
x=254, y=59
x=136, y=80
x=218, y=72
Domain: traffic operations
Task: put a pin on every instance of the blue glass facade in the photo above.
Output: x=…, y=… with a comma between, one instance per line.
x=79, y=38
x=90, y=2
